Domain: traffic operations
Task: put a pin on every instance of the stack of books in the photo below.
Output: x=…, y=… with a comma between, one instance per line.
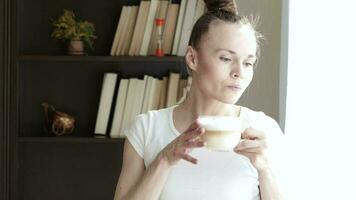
x=136, y=33
x=121, y=101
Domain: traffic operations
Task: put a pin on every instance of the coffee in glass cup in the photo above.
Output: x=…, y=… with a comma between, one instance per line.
x=222, y=133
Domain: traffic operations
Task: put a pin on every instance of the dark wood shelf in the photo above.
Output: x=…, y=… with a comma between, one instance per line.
x=100, y=58
x=70, y=140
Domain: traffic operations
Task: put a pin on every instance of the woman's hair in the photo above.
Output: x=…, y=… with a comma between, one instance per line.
x=225, y=11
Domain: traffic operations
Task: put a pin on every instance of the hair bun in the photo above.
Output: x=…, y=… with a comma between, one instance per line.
x=225, y=5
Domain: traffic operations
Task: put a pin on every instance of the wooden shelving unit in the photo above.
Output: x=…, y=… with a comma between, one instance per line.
x=78, y=166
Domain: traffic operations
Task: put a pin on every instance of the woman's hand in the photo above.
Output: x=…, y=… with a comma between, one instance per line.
x=253, y=145
x=180, y=147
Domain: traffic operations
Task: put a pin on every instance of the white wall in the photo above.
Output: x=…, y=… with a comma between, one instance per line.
x=320, y=114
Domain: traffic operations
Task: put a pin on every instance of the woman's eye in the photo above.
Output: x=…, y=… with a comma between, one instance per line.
x=248, y=64
x=225, y=59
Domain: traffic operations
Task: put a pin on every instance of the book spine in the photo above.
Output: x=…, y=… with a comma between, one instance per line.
x=119, y=109
x=106, y=97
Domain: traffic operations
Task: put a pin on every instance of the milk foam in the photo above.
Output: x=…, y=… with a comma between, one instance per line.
x=220, y=123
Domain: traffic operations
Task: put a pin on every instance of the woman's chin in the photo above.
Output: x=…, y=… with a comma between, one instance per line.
x=231, y=99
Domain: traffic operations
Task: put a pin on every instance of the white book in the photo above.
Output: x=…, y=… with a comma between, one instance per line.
x=137, y=101
x=172, y=91
x=154, y=95
x=199, y=11
x=129, y=103
x=187, y=27
x=129, y=30
x=149, y=80
x=170, y=27
x=179, y=27
x=163, y=93
x=117, y=34
x=106, y=97
x=139, y=29
x=128, y=10
x=119, y=109
x=149, y=26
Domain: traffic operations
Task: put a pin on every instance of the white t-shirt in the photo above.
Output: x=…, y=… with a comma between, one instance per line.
x=218, y=175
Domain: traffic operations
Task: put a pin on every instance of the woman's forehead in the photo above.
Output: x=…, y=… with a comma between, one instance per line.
x=221, y=35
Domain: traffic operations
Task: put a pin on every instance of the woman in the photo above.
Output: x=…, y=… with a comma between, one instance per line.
x=164, y=155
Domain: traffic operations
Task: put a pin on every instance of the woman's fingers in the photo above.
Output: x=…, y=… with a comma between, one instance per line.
x=194, y=144
x=245, y=144
x=253, y=134
x=193, y=134
x=193, y=126
x=189, y=158
x=257, y=150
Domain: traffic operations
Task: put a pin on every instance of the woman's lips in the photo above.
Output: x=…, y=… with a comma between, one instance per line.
x=234, y=87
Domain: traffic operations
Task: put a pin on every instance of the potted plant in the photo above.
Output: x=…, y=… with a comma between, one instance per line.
x=76, y=33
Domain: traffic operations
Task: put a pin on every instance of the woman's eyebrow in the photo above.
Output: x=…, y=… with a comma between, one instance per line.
x=228, y=50
x=251, y=56
x=233, y=52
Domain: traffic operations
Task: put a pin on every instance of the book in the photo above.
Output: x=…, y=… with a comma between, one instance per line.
x=199, y=11
x=119, y=109
x=139, y=28
x=129, y=103
x=172, y=91
x=161, y=13
x=187, y=27
x=148, y=88
x=138, y=99
x=182, y=84
x=163, y=93
x=127, y=10
x=179, y=27
x=154, y=95
x=129, y=30
x=117, y=33
x=106, y=97
x=148, y=28
x=170, y=27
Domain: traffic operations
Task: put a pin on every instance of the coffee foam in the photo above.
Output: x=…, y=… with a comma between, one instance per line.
x=220, y=123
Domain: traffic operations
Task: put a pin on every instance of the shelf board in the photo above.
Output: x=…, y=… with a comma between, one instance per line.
x=71, y=139
x=100, y=58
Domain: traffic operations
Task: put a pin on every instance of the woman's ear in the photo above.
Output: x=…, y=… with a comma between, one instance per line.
x=191, y=58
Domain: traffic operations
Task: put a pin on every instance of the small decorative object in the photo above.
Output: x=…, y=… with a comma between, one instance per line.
x=74, y=32
x=58, y=123
x=159, y=48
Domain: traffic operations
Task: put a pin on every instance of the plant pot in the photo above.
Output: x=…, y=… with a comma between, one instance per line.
x=76, y=47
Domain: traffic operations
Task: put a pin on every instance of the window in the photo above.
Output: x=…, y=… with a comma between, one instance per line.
x=321, y=99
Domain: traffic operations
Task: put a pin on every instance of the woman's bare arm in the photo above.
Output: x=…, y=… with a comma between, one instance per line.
x=253, y=145
x=137, y=183
x=268, y=186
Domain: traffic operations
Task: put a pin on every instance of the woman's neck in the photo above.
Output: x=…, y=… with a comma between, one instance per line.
x=196, y=105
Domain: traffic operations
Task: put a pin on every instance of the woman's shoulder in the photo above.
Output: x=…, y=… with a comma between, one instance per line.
x=258, y=118
x=153, y=116
x=252, y=114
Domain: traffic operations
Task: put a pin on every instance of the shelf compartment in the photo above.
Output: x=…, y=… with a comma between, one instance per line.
x=70, y=140
x=51, y=58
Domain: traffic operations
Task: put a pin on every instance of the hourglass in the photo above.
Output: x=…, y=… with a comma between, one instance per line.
x=159, y=46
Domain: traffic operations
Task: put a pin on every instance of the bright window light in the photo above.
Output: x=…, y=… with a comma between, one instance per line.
x=320, y=105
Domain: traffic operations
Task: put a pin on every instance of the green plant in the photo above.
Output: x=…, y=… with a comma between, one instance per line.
x=67, y=28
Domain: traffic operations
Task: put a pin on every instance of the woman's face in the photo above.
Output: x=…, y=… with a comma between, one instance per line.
x=225, y=60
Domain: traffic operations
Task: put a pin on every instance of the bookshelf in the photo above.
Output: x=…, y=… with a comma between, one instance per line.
x=78, y=166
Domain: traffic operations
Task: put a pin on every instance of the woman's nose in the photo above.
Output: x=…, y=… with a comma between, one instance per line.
x=236, y=71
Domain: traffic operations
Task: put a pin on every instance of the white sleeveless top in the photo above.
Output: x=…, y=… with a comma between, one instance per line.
x=218, y=175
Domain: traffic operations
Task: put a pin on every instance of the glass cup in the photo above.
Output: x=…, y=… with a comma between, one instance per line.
x=222, y=133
